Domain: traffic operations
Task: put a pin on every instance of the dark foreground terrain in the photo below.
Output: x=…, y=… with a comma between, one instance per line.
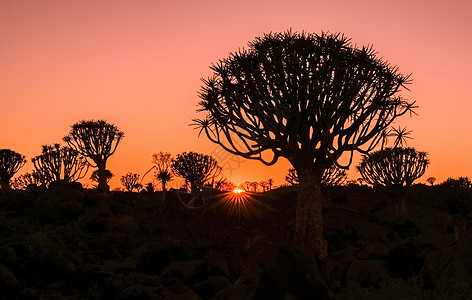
x=66, y=243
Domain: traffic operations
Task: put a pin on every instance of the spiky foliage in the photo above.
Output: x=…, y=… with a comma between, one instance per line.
x=163, y=165
x=97, y=141
x=431, y=180
x=56, y=163
x=395, y=170
x=306, y=97
x=331, y=176
x=24, y=180
x=196, y=168
x=10, y=163
x=130, y=181
x=95, y=177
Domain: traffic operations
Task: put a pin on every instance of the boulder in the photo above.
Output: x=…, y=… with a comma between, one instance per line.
x=155, y=260
x=291, y=274
x=367, y=273
x=9, y=284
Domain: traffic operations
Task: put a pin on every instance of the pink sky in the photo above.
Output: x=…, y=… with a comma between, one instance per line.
x=138, y=65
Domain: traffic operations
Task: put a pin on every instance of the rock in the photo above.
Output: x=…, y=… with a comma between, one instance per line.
x=367, y=273
x=114, y=285
x=138, y=292
x=155, y=260
x=9, y=284
x=136, y=278
x=291, y=274
x=94, y=220
x=59, y=205
x=434, y=265
x=406, y=229
x=212, y=285
x=406, y=259
x=336, y=266
x=217, y=263
x=187, y=272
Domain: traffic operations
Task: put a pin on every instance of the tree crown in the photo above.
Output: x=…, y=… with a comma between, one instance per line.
x=96, y=140
x=306, y=97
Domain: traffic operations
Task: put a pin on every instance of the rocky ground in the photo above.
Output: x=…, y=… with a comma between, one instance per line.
x=70, y=243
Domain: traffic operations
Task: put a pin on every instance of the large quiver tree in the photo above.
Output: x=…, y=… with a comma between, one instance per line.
x=394, y=170
x=10, y=163
x=97, y=141
x=308, y=98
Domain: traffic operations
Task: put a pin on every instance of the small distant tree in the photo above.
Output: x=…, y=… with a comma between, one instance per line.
x=97, y=141
x=264, y=185
x=130, y=181
x=394, y=170
x=10, y=163
x=224, y=184
x=431, y=180
x=23, y=181
x=270, y=183
x=197, y=169
x=254, y=186
x=56, y=163
x=95, y=177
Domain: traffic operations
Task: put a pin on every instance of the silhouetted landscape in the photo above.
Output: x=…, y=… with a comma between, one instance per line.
x=65, y=242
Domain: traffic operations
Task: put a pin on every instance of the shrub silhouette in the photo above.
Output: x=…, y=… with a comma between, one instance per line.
x=130, y=181
x=97, y=141
x=306, y=97
x=57, y=163
x=394, y=170
x=197, y=169
x=460, y=182
x=458, y=203
x=10, y=163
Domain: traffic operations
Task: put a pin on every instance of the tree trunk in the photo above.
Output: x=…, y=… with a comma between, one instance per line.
x=163, y=197
x=102, y=177
x=309, y=220
x=460, y=231
x=400, y=206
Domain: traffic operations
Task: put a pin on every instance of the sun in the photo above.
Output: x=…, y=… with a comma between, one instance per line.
x=238, y=191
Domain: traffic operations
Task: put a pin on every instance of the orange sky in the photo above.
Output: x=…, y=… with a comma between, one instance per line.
x=138, y=64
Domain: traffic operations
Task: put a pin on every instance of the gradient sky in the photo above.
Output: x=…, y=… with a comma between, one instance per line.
x=138, y=64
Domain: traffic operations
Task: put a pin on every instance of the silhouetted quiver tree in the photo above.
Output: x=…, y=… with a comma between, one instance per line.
x=308, y=98
x=130, y=181
x=95, y=177
x=56, y=163
x=395, y=170
x=10, y=163
x=97, y=141
x=196, y=168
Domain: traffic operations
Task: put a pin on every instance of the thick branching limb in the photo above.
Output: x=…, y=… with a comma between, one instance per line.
x=57, y=163
x=293, y=94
